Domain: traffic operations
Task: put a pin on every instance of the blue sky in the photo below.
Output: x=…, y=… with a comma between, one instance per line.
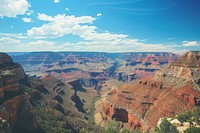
x=100, y=25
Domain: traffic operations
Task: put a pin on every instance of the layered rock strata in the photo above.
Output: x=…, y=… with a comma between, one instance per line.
x=173, y=90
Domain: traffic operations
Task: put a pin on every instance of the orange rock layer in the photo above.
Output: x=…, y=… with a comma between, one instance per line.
x=141, y=105
x=173, y=90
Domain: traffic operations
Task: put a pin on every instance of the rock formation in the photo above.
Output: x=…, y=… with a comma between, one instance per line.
x=125, y=67
x=173, y=90
x=185, y=71
x=15, y=106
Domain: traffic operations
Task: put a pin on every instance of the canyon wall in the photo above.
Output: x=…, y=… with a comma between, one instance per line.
x=173, y=90
x=15, y=106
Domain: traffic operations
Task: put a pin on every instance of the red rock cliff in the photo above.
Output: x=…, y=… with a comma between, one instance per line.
x=173, y=90
x=15, y=107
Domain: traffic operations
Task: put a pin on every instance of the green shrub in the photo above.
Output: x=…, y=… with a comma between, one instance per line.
x=189, y=116
x=166, y=127
x=192, y=130
x=50, y=121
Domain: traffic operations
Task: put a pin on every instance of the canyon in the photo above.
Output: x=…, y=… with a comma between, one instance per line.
x=124, y=67
x=90, y=89
x=174, y=89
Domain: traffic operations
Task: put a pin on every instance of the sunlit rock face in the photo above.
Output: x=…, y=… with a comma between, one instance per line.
x=185, y=71
x=173, y=90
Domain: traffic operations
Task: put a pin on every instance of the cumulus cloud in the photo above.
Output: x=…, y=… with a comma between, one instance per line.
x=12, y=8
x=61, y=25
x=44, y=17
x=27, y=20
x=190, y=43
x=99, y=15
x=56, y=1
x=92, y=40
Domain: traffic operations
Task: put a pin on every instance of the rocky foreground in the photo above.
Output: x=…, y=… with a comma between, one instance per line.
x=15, y=109
x=42, y=105
x=173, y=90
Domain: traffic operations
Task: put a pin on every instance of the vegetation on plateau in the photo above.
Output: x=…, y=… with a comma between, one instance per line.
x=166, y=127
x=190, y=116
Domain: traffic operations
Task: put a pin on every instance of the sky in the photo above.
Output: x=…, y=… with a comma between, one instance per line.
x=100, y=25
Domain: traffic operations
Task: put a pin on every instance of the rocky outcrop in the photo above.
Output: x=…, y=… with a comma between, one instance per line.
x=11, y=83
x=4, y=58
x=109, y=112
x=15, y=107
x=18, y=112
x=173, y=90
x=182, y=72
x=10, y=74
x=190, y=59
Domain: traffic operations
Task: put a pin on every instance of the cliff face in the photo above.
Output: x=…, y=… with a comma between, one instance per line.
x=173, y=90
x=4, y=58
x=10, y=74
x=15, y=106
x=185, y=71
x=135, y=66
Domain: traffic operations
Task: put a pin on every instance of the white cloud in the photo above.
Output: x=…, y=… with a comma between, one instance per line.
x=8, y=40
x=27, y=20
x=12, y=8
x=44, y=17
x=66, y=9
x=29, y=12
x=190, y=43
x=9, y=44
x=11, y=35
x=61, y=25
x=99, y=15
x=92, y=40
x=56, y=1
x=41, y=43
x=122, y=45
